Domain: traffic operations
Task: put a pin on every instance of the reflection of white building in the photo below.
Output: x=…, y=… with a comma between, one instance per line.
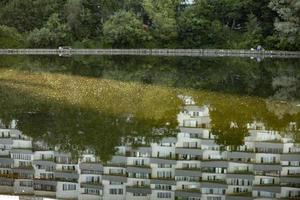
x=188, y=166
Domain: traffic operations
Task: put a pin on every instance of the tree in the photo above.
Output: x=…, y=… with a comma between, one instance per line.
x=163, y=19
x=26, y=15
x=287, y=24
x=73, y=17
x=230, y=12
x=252, y=36
x=10, y=37
x=264, y=14
x=52, y=35
x=197, y=28
x=95, y=12
x=124, y=30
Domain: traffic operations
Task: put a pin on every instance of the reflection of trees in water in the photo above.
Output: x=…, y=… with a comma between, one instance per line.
x=230, y=115
x=287, y=84
x=271, y=77
x=68, y=110
x=75, y=119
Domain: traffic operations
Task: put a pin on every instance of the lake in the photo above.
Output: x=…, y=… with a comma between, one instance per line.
x=136, y=127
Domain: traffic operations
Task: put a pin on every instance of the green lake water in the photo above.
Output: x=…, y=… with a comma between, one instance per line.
x=103, y=103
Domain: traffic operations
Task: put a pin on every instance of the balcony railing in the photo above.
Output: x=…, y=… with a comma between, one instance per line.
x=215, y=181
x=91, y=172
x=243, y=194
x=116, y=174
x=241, y=172
x=139, y=186
x=196, y=190
x=141, y=166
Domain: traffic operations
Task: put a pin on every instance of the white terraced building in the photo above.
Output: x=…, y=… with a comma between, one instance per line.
x=189, y=166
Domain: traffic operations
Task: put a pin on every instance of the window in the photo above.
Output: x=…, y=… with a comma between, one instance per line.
x=139, y=194
x=187, y=178
x=139, y=162
x=68, y=168
x=22, y=156
x=164, y=174
x=214, y=198
x=266, y=194
x=294, y=194
x=163, y=195
x=116, y=191
x=88, y=159
x=164, y=165
x=163, y=187
x=69, y=187
x=92, y=191
x=26, y=183
x=195, y=114
x=115, y=183
x=116, y=171
x=93, y=179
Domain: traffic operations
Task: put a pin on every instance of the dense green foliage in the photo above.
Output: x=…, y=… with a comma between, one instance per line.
x=53, y=34
x=275, y=24
x=10, y=38
x=288, y=23
x=124, y=29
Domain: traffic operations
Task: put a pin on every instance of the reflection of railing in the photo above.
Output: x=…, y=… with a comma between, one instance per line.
x=156, y=52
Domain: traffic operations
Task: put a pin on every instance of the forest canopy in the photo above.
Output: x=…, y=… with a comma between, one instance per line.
x=274, y=24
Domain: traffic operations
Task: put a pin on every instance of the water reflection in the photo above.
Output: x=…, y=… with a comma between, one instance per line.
x=271, y=78
x=188, y=165
x=68, y=135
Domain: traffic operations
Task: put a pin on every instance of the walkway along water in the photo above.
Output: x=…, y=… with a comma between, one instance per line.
x=156, y=52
